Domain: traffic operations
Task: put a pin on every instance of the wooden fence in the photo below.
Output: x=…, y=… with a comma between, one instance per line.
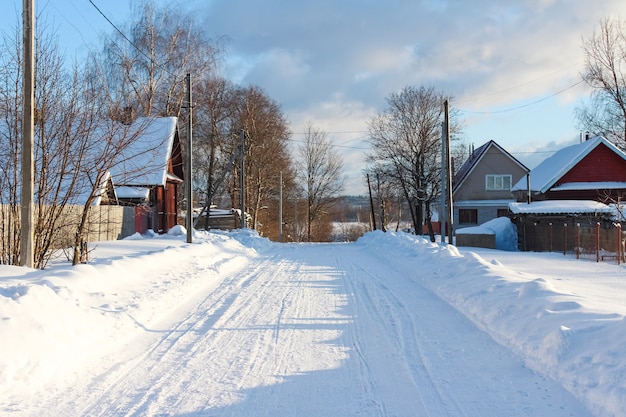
x=103, y=223
x=598, y=241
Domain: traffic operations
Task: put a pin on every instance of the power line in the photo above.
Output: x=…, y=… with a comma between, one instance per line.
x=336, y=132
x=334, y=145
x=129, y=41
x=471, y=99
x=80, y=33
x=524, y=105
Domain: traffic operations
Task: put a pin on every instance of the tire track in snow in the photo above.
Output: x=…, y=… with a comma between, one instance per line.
x=462, y=371
x=309, y=330
x=394, y=333
x=216, y=322
x=196, y=320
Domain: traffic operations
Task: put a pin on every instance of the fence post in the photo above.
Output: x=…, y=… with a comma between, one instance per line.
x=550, y=230
x=577, y=240
x=564, y=239
x=598, y=242
x=620, y=249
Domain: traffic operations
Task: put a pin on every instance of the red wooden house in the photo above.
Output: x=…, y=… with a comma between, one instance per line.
x=150, y=173
x=576, y=189
x=591, y=170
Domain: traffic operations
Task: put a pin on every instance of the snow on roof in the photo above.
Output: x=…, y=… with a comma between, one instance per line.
x=132, y=192
x=554, y=167
x=607, y=185
x=83, y=190
x=145, y=160
x=561, y=207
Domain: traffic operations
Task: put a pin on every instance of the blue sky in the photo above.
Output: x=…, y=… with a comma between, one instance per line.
x=511, y=66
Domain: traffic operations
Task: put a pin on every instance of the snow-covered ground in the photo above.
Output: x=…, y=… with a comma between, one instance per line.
x=234, y=325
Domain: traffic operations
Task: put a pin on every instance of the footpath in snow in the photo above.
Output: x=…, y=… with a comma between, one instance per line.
x=391, y=325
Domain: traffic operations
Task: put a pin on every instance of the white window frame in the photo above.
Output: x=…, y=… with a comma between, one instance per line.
x=498, y=182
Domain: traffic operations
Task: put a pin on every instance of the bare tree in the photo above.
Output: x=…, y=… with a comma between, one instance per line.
x=214, y=115
x=75, y=146
x=148, y=73
x=320, y=173
x=605, y=60
x=406, y=147
x=58, y=115
x=266, y=153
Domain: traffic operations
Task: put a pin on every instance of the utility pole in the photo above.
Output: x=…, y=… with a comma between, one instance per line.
x=280, y=208
x=28, y=126
x=369, y=188
x=381, y=210
x=450, y=212
x=189, y=217
x=444, y=193
x=242, y=180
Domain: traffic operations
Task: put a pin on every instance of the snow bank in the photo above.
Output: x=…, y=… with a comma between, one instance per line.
x=556, y=334
x=57, y=322
x=502, y=227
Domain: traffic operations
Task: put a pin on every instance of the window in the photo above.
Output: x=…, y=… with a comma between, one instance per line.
x=468, y=216
x=497, y=182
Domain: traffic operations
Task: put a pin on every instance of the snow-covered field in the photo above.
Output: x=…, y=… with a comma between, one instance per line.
x=234, y=325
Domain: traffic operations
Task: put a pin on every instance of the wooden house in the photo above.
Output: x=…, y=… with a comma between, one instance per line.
x=149, y=173
x=481, y=188
x=573, y=194
x=593, y=169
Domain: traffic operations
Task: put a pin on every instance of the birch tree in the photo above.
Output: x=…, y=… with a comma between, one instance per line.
x=605, y=64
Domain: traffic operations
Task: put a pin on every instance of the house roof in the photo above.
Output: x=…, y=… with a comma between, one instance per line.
x=547, y=173
x=83, y=191
x=468, y=166
x=141, y=193
x=561, y=207
x=146, y=159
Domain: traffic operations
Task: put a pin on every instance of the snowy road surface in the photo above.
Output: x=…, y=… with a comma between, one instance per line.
x=301, y=330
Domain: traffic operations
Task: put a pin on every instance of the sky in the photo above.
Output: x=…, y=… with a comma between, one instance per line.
x=513, y=68
x=236, y=325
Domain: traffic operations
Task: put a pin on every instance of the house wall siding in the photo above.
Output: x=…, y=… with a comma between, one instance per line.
x=484, y=214
x=599, y=165
x=494, y=162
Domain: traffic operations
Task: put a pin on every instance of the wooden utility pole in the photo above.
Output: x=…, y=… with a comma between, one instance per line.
x=369, y=187
x=381, y=210
x=280, y=207
x=443, y=211
x=450, y=209
x=242, y=180
x=28, y=127
x=189, y=171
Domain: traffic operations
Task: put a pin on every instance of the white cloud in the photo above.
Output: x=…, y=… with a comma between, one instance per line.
x=336, y=62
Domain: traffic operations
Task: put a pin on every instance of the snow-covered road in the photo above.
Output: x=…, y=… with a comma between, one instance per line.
x=305, y=330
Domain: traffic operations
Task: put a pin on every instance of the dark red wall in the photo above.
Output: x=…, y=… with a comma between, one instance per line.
x=602, y=164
